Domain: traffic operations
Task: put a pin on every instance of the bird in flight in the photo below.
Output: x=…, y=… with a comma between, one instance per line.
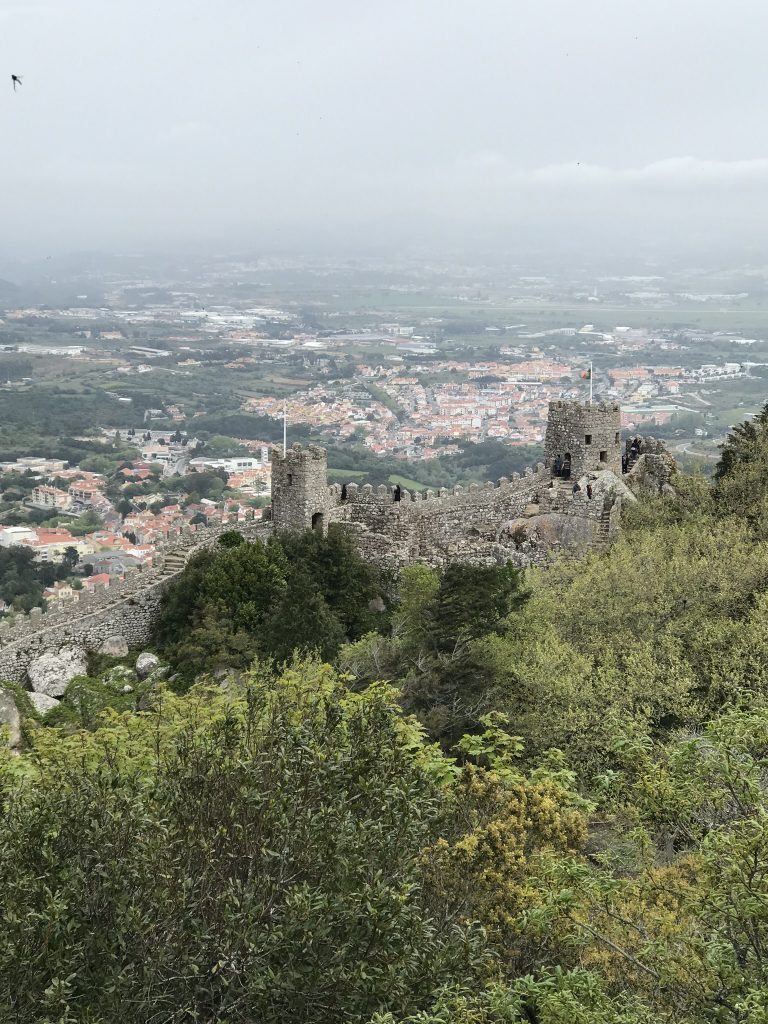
x=16, y=81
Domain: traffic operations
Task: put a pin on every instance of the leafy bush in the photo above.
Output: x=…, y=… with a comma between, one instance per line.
x=248, y=859
x=303, y=592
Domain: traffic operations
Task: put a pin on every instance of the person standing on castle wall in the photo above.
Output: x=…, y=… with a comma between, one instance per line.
x=398, y=493
x=624, y=463
x=576, y=488
x=589, y=491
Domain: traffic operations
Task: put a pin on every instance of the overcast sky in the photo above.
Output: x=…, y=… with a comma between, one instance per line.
x=360, y=123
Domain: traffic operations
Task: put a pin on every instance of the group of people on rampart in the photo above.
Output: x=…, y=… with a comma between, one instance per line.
x=576, y=489
x=561, y=467
x=632, y=454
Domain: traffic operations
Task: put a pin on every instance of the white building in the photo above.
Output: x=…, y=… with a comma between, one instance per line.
x=238, y=464
x=33, y=464
x=44, y=496
x=11, y=535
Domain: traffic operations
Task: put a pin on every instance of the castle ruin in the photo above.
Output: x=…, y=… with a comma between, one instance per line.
x=523, y=518
x=128, y=607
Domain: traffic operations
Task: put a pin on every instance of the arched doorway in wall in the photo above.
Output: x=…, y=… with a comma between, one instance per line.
x=567, y=466
x=318, y=521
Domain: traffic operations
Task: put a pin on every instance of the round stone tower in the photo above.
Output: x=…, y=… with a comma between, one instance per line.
x=300, y=489
x=584, y=435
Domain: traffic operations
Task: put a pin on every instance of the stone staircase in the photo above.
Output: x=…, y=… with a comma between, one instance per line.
x=174, y=563
x=603, y=538
x=563, y=486
x=605, y=524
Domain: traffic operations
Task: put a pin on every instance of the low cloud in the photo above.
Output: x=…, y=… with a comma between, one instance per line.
x=184, y=131
x=670, y=174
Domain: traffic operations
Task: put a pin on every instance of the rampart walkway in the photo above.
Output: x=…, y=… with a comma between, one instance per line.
x=128, y=607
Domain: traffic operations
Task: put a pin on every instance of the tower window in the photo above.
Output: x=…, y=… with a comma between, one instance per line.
x=618, y=437
x=290, y=479
x=587, y=439
x=603, y=456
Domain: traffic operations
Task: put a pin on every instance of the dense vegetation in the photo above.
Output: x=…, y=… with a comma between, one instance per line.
x=247, y=600
x=293, y=854
x=553, y=811
x=23, y=579
x=53, y=414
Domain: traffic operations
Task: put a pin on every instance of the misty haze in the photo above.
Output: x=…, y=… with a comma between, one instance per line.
x=352, y=126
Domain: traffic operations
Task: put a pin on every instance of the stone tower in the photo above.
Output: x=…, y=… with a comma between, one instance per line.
x=585, y=434
x=300, y=489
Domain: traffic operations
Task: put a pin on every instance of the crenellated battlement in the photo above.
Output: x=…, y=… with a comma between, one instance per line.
x=299, y=454
x=390, y=496
x=583, y=408
x=166, y=562
x=393, y=525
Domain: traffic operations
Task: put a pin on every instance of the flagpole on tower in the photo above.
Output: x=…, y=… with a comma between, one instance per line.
x=285, y=429
x=590, y=382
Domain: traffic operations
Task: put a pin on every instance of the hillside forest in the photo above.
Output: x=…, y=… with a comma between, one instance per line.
x=469, y=796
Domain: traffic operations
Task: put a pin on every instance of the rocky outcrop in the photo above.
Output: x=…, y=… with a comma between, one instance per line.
x=10, y=719
x=119, y=675
x=607, y=484
x=146, y=664
x=653, y=473
x=52, y=673
x=546, y=532
x=115, y=646
x=42, y=703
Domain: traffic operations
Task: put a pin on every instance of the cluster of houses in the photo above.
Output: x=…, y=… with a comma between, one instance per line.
x=399, y=415
x=124, y=540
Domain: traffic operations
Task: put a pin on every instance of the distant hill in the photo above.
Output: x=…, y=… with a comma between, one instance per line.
x=9, y=292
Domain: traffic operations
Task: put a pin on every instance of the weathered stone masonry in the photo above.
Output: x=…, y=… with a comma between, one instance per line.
x=300, y=489
x=129, y=607
x=521, y=519
x=586, y=436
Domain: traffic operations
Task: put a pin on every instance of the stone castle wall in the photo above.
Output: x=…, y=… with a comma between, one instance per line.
x=523, y=519
x=434, y=527
x=127, y=607
x=519, y=519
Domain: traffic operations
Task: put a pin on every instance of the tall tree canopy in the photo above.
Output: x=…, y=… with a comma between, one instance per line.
x=300, y=592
